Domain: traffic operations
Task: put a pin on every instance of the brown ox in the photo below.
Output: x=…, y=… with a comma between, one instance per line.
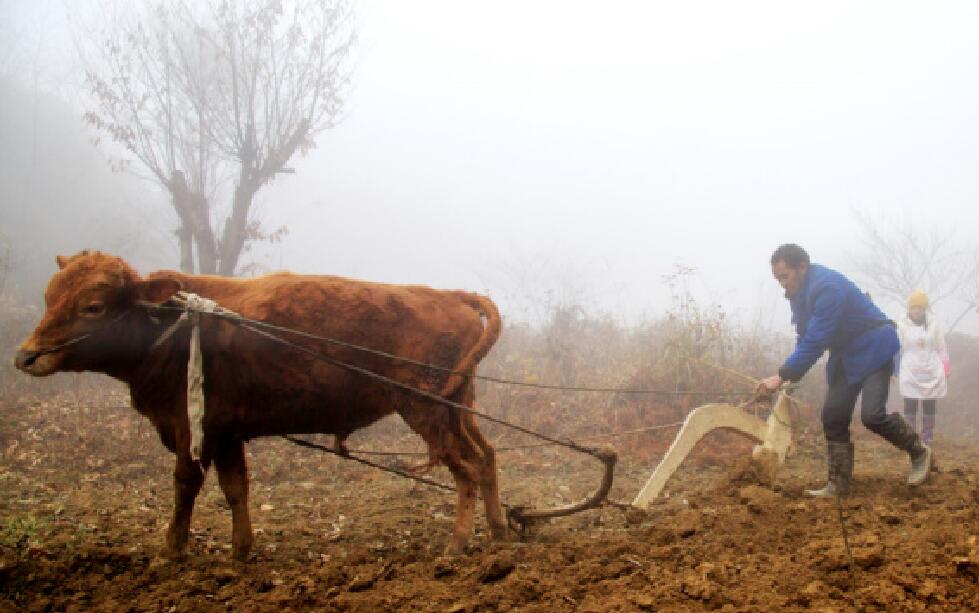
x=254, y=386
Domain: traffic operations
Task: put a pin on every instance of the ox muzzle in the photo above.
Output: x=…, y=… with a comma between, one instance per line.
x=25, y=359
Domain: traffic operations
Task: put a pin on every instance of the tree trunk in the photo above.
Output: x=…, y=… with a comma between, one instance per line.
x=253, y=175
x=191, y=208
x=180, y=199
x=186, y=239
x=234, y=236
x=206, y=249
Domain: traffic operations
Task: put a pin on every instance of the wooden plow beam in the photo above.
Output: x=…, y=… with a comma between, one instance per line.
x=520, y=518
x=774, y=436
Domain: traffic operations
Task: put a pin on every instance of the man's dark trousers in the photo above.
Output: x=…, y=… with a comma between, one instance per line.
x=841, y=398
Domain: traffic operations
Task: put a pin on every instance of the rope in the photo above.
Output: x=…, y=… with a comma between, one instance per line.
x=387, y=469
x=846, y=545
x=728, y=371
x=498, y=449
x=517, y=516
x=256, y=327
x=418, y=392
x=81, y=337
x=790, y=385
x=333, y=341
x=594, y=436
x=529, y=446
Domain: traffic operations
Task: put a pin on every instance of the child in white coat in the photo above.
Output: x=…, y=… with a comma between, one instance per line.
x=923, y=370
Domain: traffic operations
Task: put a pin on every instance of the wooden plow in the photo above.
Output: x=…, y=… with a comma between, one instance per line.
x=774, y=438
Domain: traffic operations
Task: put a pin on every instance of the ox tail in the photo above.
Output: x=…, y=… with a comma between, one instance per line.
x=491, y=332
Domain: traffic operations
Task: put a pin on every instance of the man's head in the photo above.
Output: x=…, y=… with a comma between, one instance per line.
x=790, y=263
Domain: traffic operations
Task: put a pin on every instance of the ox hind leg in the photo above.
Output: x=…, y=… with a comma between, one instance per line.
x=465, y=506
x=441, y=428
x=488, y=483
x=229, y=460
x=187, y=480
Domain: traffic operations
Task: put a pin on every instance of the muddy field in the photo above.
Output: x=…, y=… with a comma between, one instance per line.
x=85, y=494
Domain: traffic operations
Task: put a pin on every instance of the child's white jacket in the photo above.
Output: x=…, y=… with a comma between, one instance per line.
x=923, y=369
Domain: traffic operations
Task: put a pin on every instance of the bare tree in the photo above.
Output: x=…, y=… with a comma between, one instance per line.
x=970, y=292
x=200, y=93
x=896, y=258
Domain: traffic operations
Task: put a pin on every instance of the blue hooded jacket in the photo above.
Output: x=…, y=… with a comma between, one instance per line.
x=830, y=312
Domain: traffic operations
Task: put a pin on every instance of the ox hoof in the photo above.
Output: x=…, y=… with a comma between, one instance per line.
x=175, y=545
x=241, y=554
x=161, y=561
x=171, y=555
x=456, y=547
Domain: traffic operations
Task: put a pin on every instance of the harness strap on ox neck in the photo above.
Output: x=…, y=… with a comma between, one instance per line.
x=195, y=372
x=193, y=306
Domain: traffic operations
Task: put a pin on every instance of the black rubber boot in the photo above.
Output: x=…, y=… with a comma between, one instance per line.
x=840, y=460
x=900, y=434
x=920, y=463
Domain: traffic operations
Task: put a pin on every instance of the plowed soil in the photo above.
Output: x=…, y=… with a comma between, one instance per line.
x=86, y=493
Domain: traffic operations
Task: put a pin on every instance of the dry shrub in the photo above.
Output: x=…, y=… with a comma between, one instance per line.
x=958, y=415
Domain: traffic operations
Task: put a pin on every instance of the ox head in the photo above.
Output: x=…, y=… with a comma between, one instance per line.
x=92, y=305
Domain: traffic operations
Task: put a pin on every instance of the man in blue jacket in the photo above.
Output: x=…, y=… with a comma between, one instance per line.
x=831, y=313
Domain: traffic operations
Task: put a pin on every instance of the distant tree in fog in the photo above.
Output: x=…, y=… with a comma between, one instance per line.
x=57, y=195
x=897, y=257
x=203, y=94
x=6, y=264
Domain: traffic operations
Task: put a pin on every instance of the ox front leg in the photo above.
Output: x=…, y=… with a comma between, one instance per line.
x=233, y=478
x=187, y=480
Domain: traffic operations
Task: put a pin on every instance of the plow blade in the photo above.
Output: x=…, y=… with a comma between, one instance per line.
x=774, y=436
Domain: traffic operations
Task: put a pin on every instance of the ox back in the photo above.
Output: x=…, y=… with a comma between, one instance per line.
x=256, y=386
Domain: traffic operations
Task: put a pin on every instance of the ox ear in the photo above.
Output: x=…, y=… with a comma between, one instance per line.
x=157, y=290
x=62, y=260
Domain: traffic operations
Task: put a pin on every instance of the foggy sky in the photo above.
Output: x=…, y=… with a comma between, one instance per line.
x=579, y=151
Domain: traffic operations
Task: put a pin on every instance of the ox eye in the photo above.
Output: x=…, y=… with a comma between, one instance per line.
x=93, y=309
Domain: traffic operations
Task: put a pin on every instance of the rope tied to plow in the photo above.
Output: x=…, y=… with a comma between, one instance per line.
x=270, y=327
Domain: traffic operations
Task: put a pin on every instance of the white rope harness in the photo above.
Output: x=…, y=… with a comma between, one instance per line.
x=194, y=305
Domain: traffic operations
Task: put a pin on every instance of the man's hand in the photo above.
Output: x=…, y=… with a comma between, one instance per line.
x=769, y=384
